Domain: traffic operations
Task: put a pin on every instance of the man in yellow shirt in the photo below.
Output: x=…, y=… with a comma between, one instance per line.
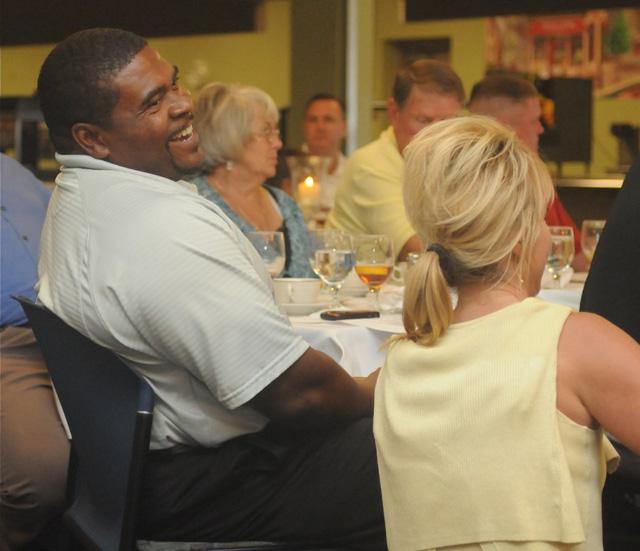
x=369, y=196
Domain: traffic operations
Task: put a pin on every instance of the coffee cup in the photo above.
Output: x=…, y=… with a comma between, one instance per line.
x=296, y=290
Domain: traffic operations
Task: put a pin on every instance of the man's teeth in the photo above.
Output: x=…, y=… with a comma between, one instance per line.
x=186, y=133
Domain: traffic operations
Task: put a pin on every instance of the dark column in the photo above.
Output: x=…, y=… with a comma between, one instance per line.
x=318, y=38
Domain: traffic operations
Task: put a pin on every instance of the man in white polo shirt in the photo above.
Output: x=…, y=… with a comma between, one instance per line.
x=255, y=434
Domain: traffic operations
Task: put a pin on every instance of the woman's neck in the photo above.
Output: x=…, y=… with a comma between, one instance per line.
x=246, y=196
x=235, y=182
x=479, y=299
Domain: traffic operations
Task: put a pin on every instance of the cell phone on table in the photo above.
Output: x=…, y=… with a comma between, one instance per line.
x=337, y=315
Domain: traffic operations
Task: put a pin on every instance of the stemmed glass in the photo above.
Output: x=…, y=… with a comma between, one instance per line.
x=270, y=247
x=374, y=263
x=331, y=258
x=590, y=236
x=561, y=253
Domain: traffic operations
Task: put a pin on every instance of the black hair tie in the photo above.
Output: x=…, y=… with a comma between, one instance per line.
x=438, y=249
x=446, y=261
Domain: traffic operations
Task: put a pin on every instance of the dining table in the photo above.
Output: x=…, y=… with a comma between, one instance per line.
x=358, y=345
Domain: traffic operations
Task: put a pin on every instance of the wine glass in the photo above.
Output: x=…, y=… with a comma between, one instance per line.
x=374, y=263
x=331, y=258
x=561, y=253
x=590, y=236
x=270, y=247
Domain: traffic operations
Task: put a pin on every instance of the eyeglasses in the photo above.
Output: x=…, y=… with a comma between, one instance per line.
x=270, y=134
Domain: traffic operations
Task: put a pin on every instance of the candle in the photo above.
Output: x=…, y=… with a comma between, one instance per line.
x=308, y=194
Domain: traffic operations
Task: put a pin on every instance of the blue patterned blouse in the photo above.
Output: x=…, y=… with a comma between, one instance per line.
x=293, y=226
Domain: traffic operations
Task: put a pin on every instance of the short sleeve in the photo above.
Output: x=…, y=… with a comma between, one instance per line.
x=200, y=298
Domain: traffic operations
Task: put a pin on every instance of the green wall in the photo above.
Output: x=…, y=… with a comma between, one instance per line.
x=318, y=59
x=468, y=59
x=466, y=35
x=268, y=59
x=260, y=58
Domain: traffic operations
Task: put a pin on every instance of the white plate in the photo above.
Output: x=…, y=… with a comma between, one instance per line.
x=292, y=309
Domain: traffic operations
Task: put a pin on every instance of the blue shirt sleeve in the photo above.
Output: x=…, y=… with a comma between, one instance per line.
x=24, y=202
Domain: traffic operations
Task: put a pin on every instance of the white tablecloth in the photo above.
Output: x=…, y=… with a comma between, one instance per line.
x=356, y=344
x=356, y=348
x=569, y=295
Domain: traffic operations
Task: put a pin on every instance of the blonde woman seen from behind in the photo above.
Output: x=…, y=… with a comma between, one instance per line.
x=489, y=415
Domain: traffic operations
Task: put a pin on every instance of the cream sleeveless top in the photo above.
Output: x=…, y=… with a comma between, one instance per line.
x=471, y=447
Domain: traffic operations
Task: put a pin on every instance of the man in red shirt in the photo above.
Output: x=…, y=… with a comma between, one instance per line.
x=515, y=102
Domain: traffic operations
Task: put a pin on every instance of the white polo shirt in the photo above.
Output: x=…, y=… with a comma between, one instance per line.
x=147, y=268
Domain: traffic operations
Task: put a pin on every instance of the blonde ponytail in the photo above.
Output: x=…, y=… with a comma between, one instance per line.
x=427, y=309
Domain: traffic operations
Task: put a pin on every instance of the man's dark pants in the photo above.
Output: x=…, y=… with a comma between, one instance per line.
x=269, y=486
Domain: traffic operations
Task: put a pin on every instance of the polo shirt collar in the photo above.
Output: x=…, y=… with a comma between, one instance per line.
x=91, y=163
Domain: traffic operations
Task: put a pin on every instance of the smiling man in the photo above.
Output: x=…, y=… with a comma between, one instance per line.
x=369, y=196
x=255, y=435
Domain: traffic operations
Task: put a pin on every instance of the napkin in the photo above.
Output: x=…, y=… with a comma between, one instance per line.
x=549, y=283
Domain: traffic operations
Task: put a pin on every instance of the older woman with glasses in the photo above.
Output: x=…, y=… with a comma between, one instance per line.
x=240, y=140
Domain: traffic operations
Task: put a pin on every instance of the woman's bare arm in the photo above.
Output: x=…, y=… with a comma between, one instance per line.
x=599, y=377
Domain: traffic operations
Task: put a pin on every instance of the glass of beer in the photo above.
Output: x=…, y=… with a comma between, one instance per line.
x=374, y=263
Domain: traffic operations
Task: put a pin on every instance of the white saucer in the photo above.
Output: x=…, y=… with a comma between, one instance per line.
x=292, y=309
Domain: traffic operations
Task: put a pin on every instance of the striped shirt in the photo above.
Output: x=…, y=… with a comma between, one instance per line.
x=144, y=266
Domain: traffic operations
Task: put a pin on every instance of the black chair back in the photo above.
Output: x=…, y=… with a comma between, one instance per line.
x=109, y=412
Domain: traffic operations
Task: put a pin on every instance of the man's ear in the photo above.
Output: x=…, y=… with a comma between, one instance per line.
x=89, y=138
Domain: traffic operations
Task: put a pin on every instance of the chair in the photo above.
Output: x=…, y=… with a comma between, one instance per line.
x=109, y=410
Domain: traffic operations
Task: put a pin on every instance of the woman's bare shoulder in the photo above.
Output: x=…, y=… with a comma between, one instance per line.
x=600, y=364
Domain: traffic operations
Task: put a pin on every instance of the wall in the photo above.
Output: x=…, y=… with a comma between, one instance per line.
x=466, y=55
x=468, y=59
x=260, y=58
x=264, y=59
x=467, y=43
x=318, y=58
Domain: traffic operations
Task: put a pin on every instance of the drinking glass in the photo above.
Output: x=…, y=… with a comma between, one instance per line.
x=374, y=263
x=561, y=253
x=270, y=247
x=590, y=236
x=331, y=258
